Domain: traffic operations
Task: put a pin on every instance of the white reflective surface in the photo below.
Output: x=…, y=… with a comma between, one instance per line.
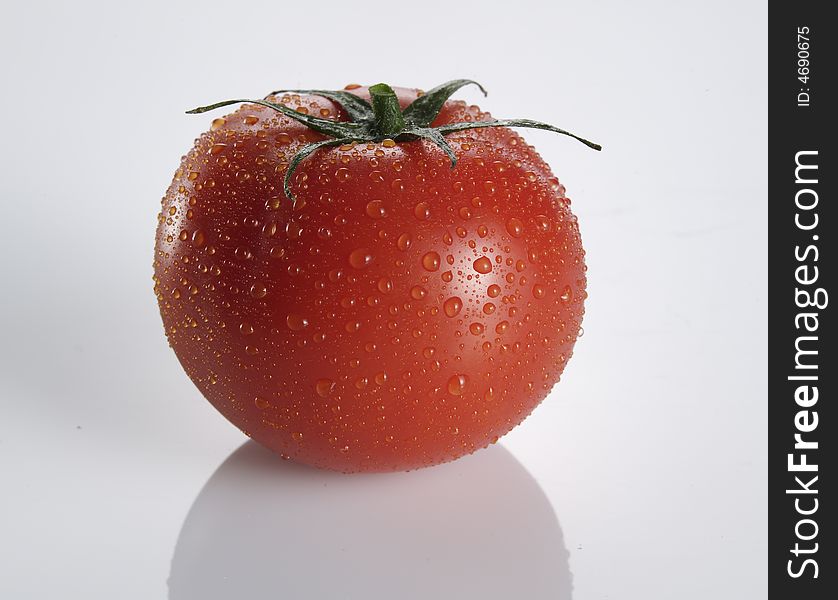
x=477, y=528
x=116, y=476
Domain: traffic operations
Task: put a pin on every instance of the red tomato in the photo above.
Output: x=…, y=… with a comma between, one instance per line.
x=403, y=313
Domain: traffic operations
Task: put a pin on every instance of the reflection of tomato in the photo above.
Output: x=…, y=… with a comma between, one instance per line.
x=401, y=314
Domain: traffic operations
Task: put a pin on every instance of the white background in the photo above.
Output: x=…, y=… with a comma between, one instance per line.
x=651, y=449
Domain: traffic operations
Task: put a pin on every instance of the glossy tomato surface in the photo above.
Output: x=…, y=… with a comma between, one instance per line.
x=402, y=314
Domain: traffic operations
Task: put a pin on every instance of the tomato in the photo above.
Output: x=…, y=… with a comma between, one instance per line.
x=400, y=313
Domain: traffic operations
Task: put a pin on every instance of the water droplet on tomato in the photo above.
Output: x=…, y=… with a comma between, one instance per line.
x=452, y=306
x=375, y=209
x=296, y=322
x=494, y=290
x=501, y=327
x=476, y=328
x=385, y=286
x=258, y=290
x=431, y=261
x=404, y=241
x=457, y=384
x=342, y=174
x=324, y=387
x=293, y=230
x=417, y=292
x=483, y=265
x=422, y=211
x=538, y=291
x=567, y=294
x=360, y=258
x=515, y=227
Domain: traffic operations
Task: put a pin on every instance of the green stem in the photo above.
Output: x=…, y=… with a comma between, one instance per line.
x=388, y=114
x=384, y=119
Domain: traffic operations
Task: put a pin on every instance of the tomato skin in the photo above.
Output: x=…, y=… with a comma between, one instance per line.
x=403, y=314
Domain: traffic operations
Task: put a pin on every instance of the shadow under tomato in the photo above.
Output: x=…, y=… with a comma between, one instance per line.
x=480, y=527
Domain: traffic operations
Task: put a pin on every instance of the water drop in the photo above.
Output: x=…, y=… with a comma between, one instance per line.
x=494, y=290
x=501, y=327
x=452, y=306
x=294, y=230
x=342, y=174
x=457, y=384
x=431, y=261
x=567, y=294
x=422, y=211
x=476, y=328
x=404, y=241
x=515, y=227
x=296, y=322
x=277, y=252
x=483, y=265
x=258, y=290
x=375, y=209
x=324, y=387
x=417, y=292
x=538, y=291
x=360, y=258
x=385, y=285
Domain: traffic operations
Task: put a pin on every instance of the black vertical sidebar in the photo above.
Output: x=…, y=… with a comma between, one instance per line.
x=802, y=561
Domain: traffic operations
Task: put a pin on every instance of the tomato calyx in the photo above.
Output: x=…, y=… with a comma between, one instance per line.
x=383, y=119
